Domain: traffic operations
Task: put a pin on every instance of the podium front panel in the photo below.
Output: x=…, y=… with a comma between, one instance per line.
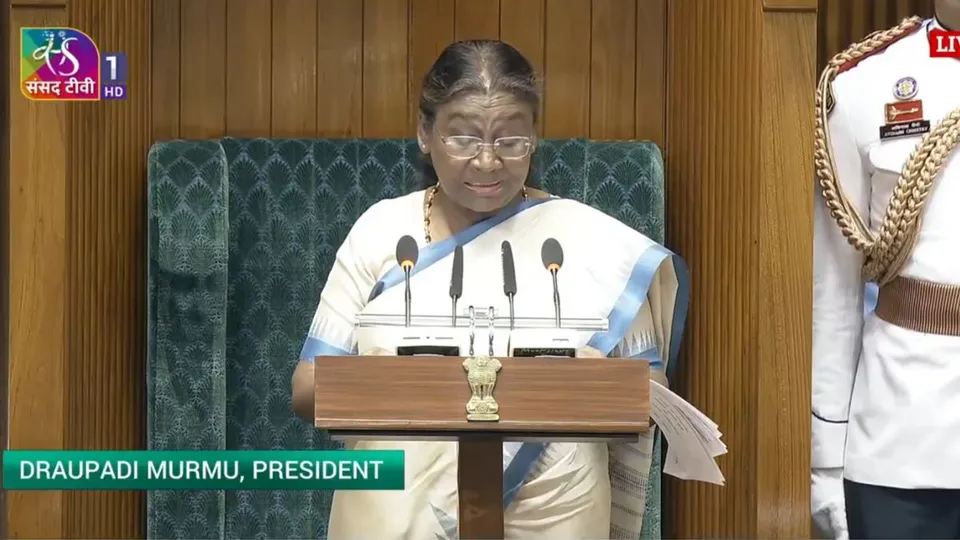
x=430, y=393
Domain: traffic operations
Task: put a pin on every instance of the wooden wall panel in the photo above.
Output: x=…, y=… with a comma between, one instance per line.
x=339, y=68
x=431, y=28
x=165, y=70
x=294, y=67
x=477, y=19
x=202, y=67
x=842, y=22
x=106, y=272
x=739, y=164
x=77, y=269
x=344, y=68
x=567, y=69
x=5, y=236
x=651, y=70
x=713, y=163
x=38, y=269
x=785, y=210
x=385, y=46
x=249, y=70
x=613, y=67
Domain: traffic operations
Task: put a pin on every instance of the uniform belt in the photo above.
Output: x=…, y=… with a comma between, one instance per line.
x=921, y=306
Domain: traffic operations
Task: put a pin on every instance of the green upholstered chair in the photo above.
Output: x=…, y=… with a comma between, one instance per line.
x=242, y=234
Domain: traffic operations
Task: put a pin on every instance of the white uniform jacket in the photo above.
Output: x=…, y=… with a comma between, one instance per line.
x=886, y=400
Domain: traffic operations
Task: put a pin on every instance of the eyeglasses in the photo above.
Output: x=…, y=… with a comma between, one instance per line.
x=469, y=147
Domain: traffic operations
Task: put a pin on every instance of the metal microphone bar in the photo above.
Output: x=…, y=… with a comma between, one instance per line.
x=481, y=320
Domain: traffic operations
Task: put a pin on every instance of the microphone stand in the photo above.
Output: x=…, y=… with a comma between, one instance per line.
x=556, y=298
x=407, y=297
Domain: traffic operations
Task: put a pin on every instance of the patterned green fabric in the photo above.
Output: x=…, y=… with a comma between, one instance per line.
x=187, y=305
x=243, y=233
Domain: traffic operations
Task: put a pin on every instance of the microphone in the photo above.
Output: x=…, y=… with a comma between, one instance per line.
x=552, y=256
x=456, y=283
x=407, y=255
x=509, y=276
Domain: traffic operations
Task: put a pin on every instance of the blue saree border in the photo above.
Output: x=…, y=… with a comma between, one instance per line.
x=433, y=253
x=621, y=317
x=314, y=347
x=619, y=320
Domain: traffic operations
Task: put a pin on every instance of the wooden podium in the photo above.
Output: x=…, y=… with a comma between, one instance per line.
x=539, y=399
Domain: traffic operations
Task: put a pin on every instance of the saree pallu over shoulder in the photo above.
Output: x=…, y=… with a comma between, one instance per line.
x=612, y=271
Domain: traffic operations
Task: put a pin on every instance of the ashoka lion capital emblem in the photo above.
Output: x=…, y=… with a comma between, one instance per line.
x=482, y=378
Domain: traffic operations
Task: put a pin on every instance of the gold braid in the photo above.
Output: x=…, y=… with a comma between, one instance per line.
x=886, y=252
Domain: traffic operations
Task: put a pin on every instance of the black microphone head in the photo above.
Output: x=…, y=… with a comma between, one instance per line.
x=509, y=270
x=552, y=254
x=407, y=252
x=456, y=277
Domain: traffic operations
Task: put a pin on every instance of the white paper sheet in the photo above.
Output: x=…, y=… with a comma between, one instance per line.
x=693, y=438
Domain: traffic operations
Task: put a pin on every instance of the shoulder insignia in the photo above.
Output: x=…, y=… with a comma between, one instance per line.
x=878, y=42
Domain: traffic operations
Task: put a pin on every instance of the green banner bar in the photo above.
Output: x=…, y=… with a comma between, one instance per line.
x=203, y=470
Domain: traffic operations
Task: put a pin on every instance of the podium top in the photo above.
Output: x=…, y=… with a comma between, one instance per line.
x=481, y=320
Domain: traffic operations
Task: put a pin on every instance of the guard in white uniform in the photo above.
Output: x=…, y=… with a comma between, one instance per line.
x=886, y=385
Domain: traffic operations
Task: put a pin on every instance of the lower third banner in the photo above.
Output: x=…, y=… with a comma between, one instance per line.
x=203, y=470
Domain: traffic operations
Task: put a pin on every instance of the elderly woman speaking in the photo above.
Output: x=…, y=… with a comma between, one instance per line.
x=477, y=132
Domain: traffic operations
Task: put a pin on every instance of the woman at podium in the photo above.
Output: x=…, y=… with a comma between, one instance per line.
x=477, y=133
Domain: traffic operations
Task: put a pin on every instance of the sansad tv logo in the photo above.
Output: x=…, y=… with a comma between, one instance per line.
x=64, y=64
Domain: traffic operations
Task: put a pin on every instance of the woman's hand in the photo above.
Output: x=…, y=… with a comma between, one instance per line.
x=589, y=352
x=377, y=351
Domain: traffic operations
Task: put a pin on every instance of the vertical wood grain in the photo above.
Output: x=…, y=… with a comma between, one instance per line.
x=385, y=109
x=165, y=69
x=713, y=155
x=294, y=68
x=38, y=271
x=785, y=208
x=477, y=19
x=5, y=225
x=248, y=67
x=523, y=25
x=613, y=49
x=651, y=83
x=106, y=204
x=202, y=68
x=339, y=68
x=567, y=67
x=431, y=31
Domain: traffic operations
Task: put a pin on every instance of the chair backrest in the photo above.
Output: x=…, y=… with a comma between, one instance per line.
x=242, y=235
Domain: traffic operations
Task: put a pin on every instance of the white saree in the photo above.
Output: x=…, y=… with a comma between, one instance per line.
x=557, y=490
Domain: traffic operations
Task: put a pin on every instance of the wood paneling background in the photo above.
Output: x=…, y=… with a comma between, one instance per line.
x=77, y=266
x=4, y=255
x=347, y=68
x=724, y=87
x=739, y=146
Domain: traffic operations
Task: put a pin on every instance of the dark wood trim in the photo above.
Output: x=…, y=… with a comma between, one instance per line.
x=5, y=52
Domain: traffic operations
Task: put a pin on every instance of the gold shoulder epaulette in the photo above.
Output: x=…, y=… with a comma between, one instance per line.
x=875, y=43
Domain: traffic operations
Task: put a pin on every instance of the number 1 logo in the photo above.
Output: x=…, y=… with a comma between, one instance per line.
x=113, y=74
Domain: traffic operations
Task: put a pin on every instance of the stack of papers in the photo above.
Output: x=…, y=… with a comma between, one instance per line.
x=693, y=439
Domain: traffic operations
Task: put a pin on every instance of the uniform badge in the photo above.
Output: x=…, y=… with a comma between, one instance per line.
x=904, y=117
x=905, y=88
x=903, y=111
